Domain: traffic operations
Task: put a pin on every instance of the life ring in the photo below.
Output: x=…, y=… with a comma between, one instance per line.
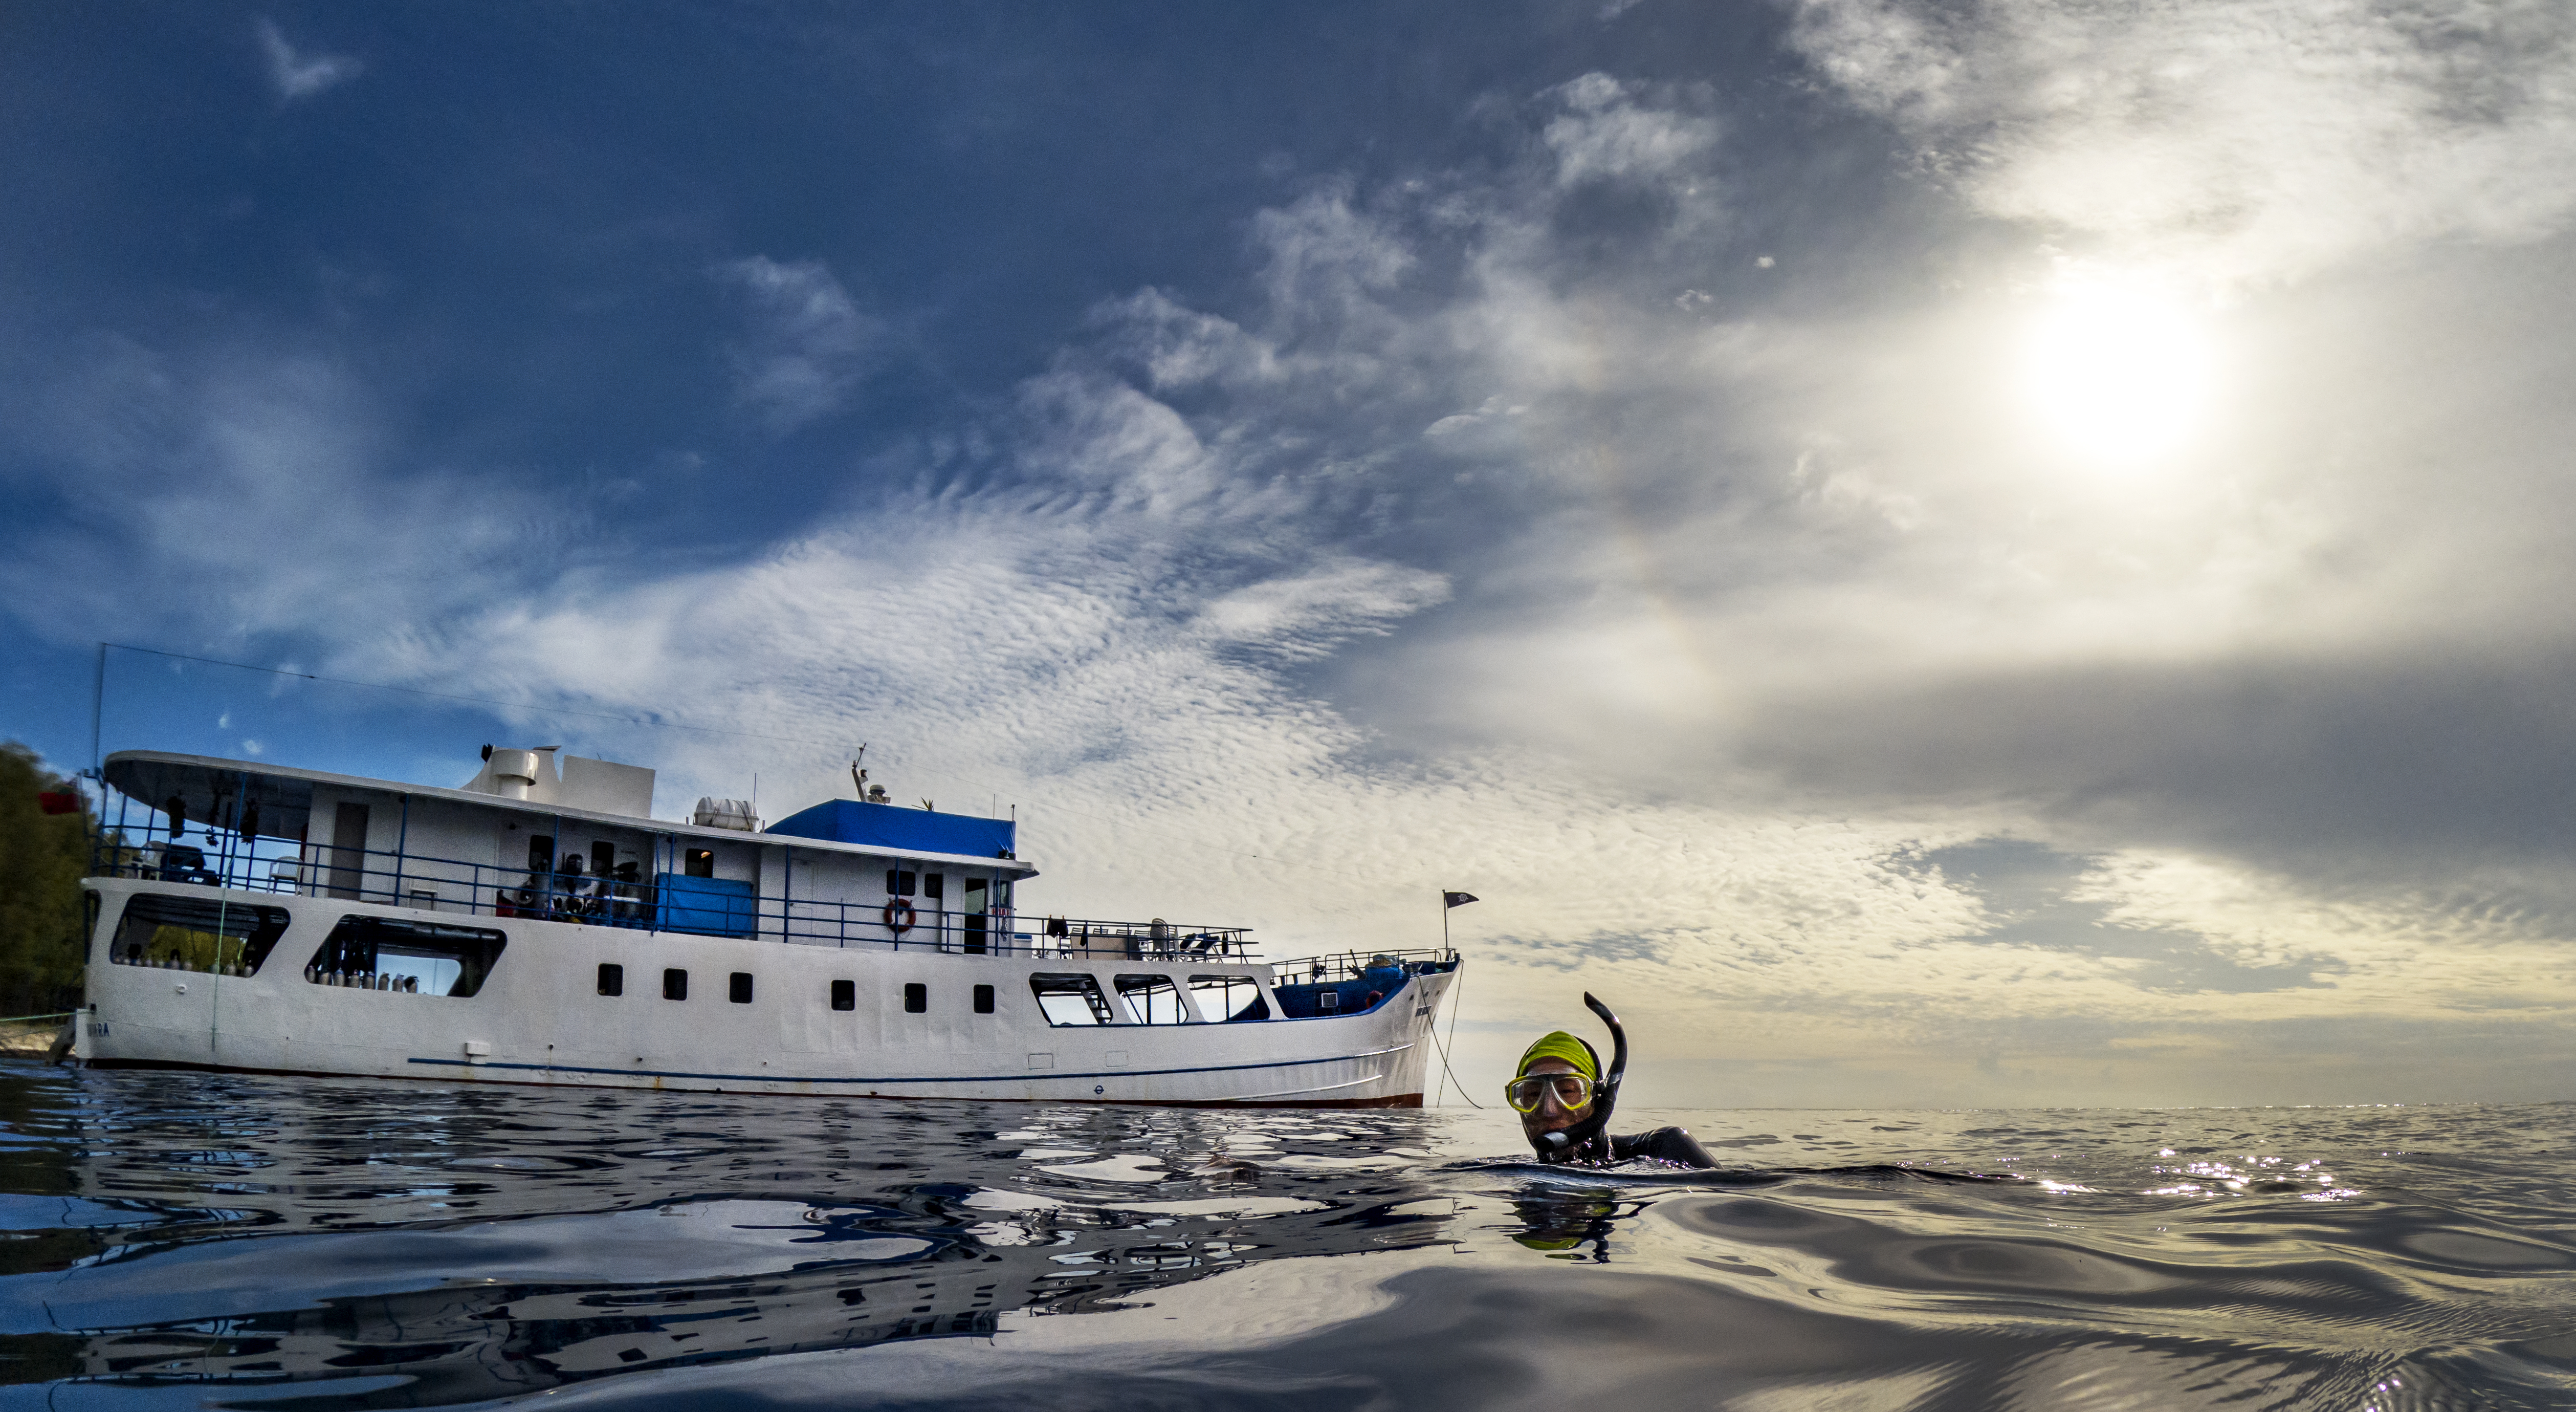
x=899, y=906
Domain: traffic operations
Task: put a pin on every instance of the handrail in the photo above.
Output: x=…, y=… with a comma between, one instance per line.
x=1351, y=965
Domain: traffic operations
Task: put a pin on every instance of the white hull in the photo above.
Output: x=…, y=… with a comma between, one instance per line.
x=538, y=1019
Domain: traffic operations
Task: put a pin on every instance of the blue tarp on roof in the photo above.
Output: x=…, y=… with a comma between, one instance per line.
x=900, y=830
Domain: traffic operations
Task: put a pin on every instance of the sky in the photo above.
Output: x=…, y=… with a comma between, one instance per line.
x=1984, y=553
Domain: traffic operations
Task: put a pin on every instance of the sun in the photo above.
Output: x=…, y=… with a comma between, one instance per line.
x=2117, y=372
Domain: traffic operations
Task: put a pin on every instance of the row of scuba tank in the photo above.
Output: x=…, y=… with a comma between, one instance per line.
x=365, y=980
x=175, y=963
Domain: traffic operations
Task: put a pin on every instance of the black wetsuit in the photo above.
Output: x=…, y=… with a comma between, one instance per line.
x=1673, y=1145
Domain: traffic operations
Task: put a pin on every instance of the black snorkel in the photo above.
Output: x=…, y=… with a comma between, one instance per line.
x=1565, y=1144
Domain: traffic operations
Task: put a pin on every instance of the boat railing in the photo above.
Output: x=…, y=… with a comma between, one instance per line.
x=1337, y=966
x=632, y=899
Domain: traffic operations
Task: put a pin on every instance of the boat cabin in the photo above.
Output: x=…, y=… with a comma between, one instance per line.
x=573, y=839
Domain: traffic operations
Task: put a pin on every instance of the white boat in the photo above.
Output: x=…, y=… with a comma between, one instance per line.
x=536, y=925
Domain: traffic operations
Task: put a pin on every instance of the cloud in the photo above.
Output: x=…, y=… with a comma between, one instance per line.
x=300, y=76
x=2253, y=142
x=806, y=345
x=251, y=490
x=1498, y=530
x=1325, y=260
x=1601, y=134
x=1310, y=615
x=2053, y=901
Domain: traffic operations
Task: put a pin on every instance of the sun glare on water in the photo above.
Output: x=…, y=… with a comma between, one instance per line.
x=2118, y=374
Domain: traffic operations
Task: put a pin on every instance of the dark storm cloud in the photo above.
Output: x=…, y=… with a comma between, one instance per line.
x=2362, y=772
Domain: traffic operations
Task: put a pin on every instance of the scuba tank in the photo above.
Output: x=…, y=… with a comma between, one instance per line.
x=1587, y=1140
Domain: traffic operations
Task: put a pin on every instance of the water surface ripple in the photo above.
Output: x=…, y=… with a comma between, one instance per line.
x=199, y=1241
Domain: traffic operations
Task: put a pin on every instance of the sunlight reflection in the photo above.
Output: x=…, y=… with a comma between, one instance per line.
x=2257, y=1176
x=2116, y=370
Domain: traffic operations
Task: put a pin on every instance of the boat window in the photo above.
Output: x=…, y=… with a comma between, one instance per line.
x=1001, y=896
x=612, y=978
x=901, y=881
x=983, y=1000
x=916, y=997
x=738, y=988
x=541, y=853
x=700, y=863
x=191, y=934
x=1229, y=998
x=1151, y=1000
x=1070, y=999
x=934, y=885
x=433, y=958
x=675, y=984
x=603, y=857
x=845, y=995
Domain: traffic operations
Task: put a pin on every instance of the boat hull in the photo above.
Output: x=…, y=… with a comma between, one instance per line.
x=539, y=1019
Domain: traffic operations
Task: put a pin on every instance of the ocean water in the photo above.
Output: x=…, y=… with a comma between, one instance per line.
x=177, y=1240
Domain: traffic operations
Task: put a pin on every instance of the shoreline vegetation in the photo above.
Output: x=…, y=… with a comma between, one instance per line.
x=33, y=1039
x=42, y=857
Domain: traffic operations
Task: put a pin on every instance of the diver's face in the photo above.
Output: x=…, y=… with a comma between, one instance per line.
x=1551, y=1115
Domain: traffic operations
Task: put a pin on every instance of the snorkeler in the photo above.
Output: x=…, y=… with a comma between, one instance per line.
x=1565, y=1103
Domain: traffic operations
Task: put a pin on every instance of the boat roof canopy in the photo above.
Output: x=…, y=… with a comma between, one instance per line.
x=887, y=826
x=284, y=795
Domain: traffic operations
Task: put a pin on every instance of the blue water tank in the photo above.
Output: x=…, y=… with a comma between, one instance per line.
x=705, y=906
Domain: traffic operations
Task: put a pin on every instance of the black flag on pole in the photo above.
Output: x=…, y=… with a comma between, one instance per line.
x=1457, y=899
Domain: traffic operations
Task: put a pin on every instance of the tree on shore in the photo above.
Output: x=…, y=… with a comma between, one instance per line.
x=42, y=857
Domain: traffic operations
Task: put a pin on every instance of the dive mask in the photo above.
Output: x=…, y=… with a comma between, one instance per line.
x=1527, y=1093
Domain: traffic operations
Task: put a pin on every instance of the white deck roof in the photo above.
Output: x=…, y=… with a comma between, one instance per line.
x=151, y=776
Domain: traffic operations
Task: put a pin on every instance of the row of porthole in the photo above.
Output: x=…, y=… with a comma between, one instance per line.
x=738, y=989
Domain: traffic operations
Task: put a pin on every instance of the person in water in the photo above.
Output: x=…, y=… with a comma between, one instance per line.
x=1565, y=1104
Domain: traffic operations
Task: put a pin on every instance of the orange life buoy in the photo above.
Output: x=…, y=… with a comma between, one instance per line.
x=899, y=906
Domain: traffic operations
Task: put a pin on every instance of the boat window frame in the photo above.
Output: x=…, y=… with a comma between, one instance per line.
x=1151, y=985
x=254, y=944
x=1081, y=985
x=1257, y=1008
x=335, y=953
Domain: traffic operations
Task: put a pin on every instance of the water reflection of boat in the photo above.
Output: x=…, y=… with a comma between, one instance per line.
x=542, y=1301
x=536, y=926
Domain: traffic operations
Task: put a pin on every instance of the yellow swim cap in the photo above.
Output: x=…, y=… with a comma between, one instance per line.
x=1557, y=1044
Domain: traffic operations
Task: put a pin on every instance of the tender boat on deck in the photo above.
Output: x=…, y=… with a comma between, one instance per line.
x=537, y=926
